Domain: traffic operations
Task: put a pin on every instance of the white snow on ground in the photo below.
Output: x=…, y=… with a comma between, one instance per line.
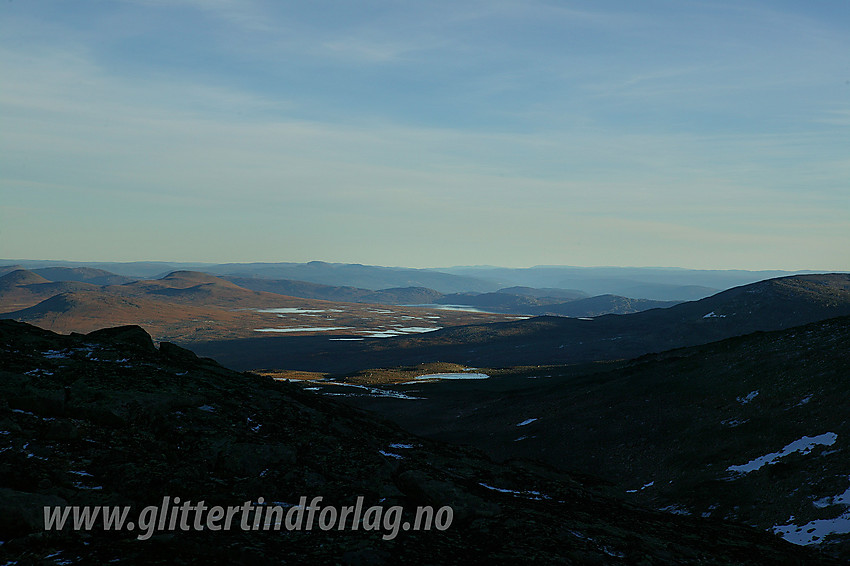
x=400, y=445
x=804, y=400
x=21, y=411
x=80, y=473
x=676, y=510
x=750, y=396
x=453, y=376
x=803, y=445
x=308, y=329
x=646, y=485
x=345, y=339
x=55, y=354
x=526, y=422
x=815, y=531
x=391, y=455
x=843, y=499
x=38, y=371
x=207, y=408
x=369, y=391
x=527, y=494
x=712, y=315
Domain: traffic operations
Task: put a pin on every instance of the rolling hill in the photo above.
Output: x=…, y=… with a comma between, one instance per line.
x=193, y=306
x=767, y=305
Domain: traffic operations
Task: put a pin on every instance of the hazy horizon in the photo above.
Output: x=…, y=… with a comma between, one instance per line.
x=11, y=261
x=704, y=135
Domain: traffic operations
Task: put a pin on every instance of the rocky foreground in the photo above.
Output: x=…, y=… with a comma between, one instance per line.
x=109, y=419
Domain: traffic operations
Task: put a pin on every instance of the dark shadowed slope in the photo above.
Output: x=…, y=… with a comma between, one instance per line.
x=107, y=419
x=751, y=428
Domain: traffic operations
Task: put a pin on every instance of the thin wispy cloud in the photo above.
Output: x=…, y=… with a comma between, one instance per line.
x=507, y=132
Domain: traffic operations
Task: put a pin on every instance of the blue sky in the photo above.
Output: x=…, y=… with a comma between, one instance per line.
x=683, y=133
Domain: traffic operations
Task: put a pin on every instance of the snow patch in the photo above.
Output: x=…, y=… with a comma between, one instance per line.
x=526, y=422
x=803, y=446
x=749, y=397
x=815, y=531
x=536, y=495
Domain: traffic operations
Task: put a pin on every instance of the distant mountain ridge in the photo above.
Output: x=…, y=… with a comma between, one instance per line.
x=668, y=284
x=768, y=305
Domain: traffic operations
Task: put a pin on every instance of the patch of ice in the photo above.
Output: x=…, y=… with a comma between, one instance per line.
x=391, y=455
x=469, y=375
x=399, y=331
x=400, y=445
x=803, y=446
x=439, y=307
x=526, y=422
x=207, y=408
